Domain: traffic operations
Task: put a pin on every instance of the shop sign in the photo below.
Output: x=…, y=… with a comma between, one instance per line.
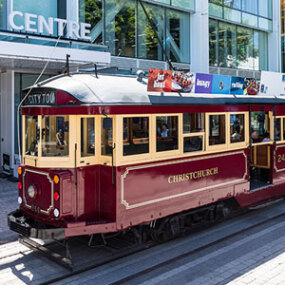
x=45, y=98
x=33, y=23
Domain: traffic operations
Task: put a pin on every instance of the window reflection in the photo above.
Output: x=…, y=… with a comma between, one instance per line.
x=237, y=128
x=87, y=137
x=31, y=135
x=217, y=129
x=277, y=129
x=192, y=144
x=55, y=135
x=193, y=123
x=166, y=133
x=120, y=27
x=260, y=127
x=107, y=136
x=135, y=135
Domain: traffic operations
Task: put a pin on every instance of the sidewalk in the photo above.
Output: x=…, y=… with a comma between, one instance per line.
x=8, y=203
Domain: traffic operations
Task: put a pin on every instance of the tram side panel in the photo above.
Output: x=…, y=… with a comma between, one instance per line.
x=151, y=191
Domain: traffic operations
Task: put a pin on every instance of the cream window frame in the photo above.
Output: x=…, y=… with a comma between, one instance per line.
x=105, y=159
x=227, y=131
x=197, y=134
x=271, y=125
x=168, y=153
x=143, y=157
x=282, y=125
x=244, y=143
x=53, y=161
x=86, y=160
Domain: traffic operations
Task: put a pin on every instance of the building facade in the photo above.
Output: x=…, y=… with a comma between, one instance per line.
x=231, y=37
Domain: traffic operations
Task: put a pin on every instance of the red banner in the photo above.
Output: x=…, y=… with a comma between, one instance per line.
x=170, y=81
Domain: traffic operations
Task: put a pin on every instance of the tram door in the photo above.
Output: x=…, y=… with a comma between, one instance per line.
x=261, y=136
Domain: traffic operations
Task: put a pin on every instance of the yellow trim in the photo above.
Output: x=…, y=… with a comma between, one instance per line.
x=86, y=160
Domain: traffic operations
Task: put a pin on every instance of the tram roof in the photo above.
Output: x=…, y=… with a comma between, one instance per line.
x=128, y=90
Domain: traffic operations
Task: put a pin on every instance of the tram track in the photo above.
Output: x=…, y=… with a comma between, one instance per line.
x=150, y=245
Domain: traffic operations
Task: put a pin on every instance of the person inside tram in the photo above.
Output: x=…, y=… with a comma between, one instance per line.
x=236, y=135
x=164, y=131
x=60, y=142
x=266, y=137
x=254, y=136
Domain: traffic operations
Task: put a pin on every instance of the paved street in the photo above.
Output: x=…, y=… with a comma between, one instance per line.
x=8, y=203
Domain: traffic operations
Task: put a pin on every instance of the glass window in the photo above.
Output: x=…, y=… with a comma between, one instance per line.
x=55, y=136
x=249, y=6
x=148, y=46
x=186, y=4
x=232, y=15
x=91, y=12
x=135, y=135
x=277, y=129
x=265, y=8
x=166, y=133
x=245, y=43
x=217, y=129
x=120, y=27
x=192, y=144
x=237, y=128
x=236, y=4
x=213, y=42
x=31, y=135
x=178, y=36
x=215, y=10
x=193, y=123
x=87, y=137
x=107, y=136
x=260, y=127
x=227, y=45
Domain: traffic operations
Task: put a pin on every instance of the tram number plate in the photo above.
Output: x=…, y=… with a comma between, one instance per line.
x=281, y=157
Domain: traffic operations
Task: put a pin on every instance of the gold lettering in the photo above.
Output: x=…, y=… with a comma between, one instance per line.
x=193, y=175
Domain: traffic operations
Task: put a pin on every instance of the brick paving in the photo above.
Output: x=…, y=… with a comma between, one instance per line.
x=8, y=203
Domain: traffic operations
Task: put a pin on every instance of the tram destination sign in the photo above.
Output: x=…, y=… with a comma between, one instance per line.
x=46, y=98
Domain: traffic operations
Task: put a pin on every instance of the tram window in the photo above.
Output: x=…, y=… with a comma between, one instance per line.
x=277, y=129
x=193, y=123
x=260, y=127
x=135, y=135
x=31, y=135
x=194, y=143
x=237, y=128
x=217, y=127
x=87, y=137
x=107, y=136
x=55, y=136
x=166, y=133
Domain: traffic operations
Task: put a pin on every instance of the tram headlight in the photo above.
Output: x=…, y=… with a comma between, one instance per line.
x=56, y=212
x=32, y=191
x=20, y=200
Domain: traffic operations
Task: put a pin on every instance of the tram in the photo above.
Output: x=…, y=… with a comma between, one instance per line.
x=102, y=154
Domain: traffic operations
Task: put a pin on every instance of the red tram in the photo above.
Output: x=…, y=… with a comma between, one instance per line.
x=102, y=154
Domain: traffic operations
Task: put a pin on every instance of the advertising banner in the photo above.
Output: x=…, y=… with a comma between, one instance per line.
x=237, y=85
x=221, y=84
x=171, y=81
x=203, y=83
x=272, y=84
x=251, y=86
